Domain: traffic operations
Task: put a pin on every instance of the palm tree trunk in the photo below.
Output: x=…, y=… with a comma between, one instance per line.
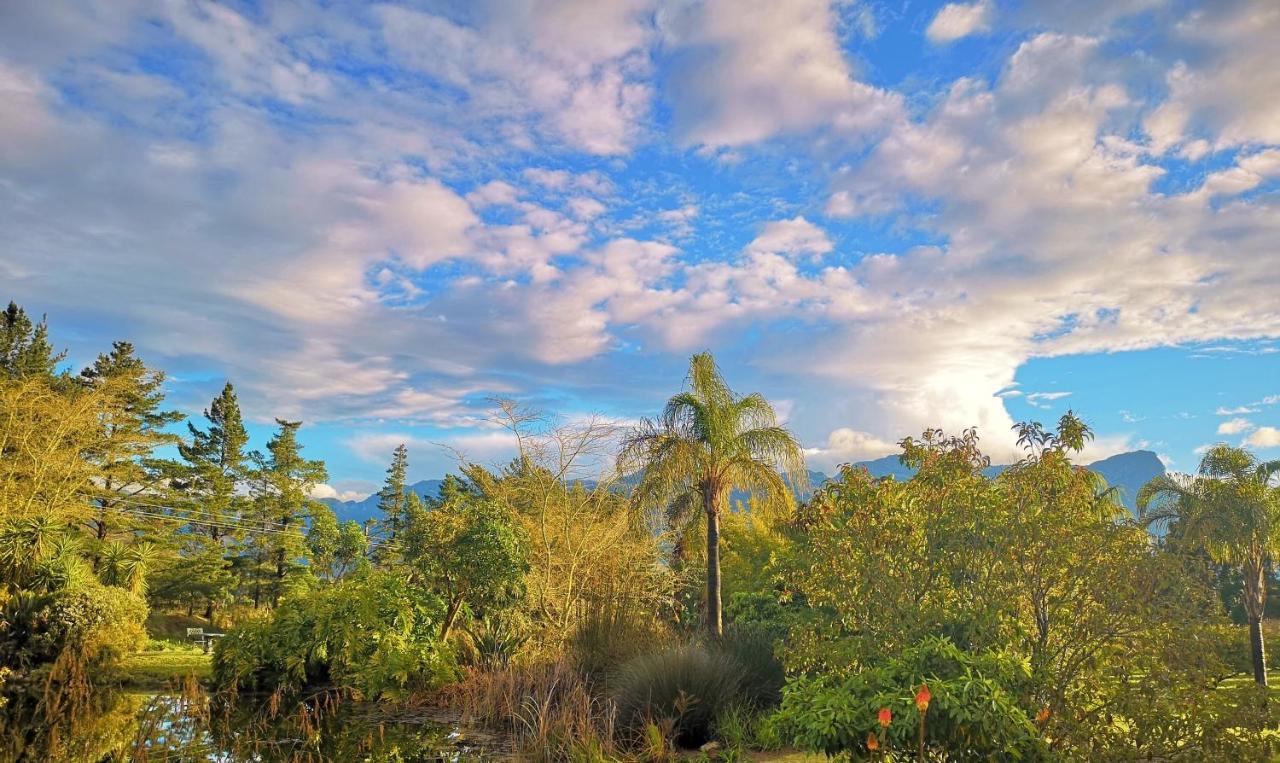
x=1258, y=650
x=715, y=622
x=1255, y=600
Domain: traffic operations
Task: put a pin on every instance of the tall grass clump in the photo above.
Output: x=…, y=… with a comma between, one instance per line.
x=689, y=684
x=548, y=709
x=611, y=632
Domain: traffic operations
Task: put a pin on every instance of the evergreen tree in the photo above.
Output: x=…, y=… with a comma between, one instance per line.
x=282, y=484
x=130, y=479
x=391, y=498
x=216, y=463
x=25, y=350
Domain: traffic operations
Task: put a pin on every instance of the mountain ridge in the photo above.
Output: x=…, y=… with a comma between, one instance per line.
x=1129, y=471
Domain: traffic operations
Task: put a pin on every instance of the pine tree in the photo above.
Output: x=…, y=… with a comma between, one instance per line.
x=130, y=481
x=391, y=498
x=216, y=464
x=25, y=350
x=282, y=484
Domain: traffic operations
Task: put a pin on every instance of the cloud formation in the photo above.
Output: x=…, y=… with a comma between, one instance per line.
x=383, y=216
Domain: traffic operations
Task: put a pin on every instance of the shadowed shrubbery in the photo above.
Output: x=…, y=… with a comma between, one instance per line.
x=689, y=684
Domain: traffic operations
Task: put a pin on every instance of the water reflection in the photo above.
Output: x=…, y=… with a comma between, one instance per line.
x=185, y=725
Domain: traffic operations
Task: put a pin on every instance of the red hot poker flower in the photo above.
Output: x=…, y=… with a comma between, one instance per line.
x=886, y=717
x=872, y=742
x=922, y=698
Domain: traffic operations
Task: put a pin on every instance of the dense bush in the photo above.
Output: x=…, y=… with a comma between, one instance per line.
x=73, y=631
x=373, y=634
x=974, y=713
x=688, y=684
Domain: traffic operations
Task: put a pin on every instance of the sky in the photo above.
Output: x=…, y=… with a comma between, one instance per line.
x=885, y=216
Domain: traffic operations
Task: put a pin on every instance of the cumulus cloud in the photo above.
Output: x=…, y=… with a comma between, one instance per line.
x=746, y=71
x=577, y=69
x=847, y=445
x=1218, y=101
x=791, y=237
x=957, y=20
x=1264, y=437
x=369, y=242
x=1235, y=426
x=324, y=490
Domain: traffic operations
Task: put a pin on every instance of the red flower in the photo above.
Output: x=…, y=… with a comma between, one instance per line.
x=872, y=742
x=886, y=717
x=922, y=698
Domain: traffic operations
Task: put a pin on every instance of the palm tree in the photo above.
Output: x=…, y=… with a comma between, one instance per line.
x=707, y=443
x=1231, y=508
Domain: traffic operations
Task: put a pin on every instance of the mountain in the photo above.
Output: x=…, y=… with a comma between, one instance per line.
x=367, y=507
x=1128, y=471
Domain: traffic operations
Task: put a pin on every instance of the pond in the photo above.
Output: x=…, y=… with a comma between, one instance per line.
x=172, y=726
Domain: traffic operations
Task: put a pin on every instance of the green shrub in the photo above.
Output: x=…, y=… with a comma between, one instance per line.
x=374, y=634
x=72, y=632
x=689, y=684
x=494, y=642
x=973, y=715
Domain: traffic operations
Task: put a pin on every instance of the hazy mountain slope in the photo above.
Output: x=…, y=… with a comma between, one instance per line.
x=1129, y=471
x=367, y=507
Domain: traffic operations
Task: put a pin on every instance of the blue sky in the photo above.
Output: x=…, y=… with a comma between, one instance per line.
x=885, y=216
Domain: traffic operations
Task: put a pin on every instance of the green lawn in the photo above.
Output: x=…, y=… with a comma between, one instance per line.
x=156, y=669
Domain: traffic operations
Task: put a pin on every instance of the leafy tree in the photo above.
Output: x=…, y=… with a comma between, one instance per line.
x=707, y=443
x=25, y=351
x=133, y=427
x=334, y=547
x=282, y=483
x=467, y=549
x=1035, y=563
x=47, y=440
x=1231, y=508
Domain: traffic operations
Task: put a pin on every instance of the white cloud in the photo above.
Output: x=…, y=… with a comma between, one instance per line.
x=847, y=445
x=1239, y=409
x=957, y=20
x=1264, y=437
x=747, y=70
x=580, y=70
x=324, y=490
x=791, y=237
x=1220, y=98
x=1235, y=426
x=1042, y=399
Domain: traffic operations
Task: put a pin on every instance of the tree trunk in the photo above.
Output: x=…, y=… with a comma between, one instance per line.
x=715, y=621
x=449, y=617
x=1255, y=601
x=1258, y=650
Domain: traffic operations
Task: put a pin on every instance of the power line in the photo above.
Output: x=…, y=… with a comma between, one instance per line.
x=184, y=516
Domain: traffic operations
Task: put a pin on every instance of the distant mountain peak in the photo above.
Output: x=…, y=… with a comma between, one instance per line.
x=1127, y=471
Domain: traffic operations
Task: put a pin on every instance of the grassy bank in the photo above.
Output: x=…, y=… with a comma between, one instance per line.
x=159, y=668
